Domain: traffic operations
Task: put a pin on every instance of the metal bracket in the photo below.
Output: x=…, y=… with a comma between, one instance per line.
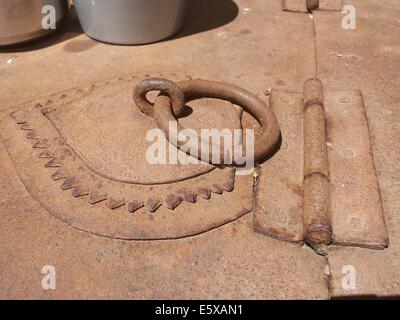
x=321, y=186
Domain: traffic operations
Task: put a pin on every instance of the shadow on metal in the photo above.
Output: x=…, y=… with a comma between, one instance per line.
x=204, y=15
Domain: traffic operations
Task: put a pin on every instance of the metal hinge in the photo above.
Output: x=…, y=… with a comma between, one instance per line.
x=321, y=186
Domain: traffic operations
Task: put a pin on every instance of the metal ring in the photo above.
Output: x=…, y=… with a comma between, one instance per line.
x=158, y=84
x=193, y=89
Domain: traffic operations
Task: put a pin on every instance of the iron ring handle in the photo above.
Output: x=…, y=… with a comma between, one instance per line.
x=163, y=111
x=159, y=84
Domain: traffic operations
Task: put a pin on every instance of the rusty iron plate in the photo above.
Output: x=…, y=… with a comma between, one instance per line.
x=81, y=155
x=311, y=5
x=279, y=202
x=355, y=207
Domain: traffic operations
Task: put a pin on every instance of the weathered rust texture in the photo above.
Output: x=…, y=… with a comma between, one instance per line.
x=229, y=262
x=279, y=197
x=53, y=164
x=20, y=116
x=31, y=135
x=107, y=160
x=164, y=108
x=115, y=203
x=330, y=5
x=204, y=193
x=85, y=119
x=58, y=175
x=316, y=213
x=217, y=189
x=295, y=5
x=315, y=155
x=166, y=87
x=96, y=197
x=317, y=224
x=153, y=204
x=41, y=144
x=300, y=5
x=69, y=183
x=366, y=58
x=79, y=192
x=311, y=5
x=25, y=126
x=187, y=195
x=134, y=205
x=356, y=207
x=172, y=201
x=46, y=155
x=229, y=185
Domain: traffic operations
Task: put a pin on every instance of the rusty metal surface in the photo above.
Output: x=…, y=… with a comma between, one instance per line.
x=348, y=203
x=227, y=262
x=277, y=216
x=357, y=213
x=311, y=5
x=316, y=211
x=92, y=266
x=70, y=155
x=213, y=265
x=367, y=58
x=230, y=261
x=173, y=90
x=166, y=109
x=330, y=5
x=295, y=5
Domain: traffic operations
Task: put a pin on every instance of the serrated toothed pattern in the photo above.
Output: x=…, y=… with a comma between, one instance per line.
x=46, y=155
x=40, y=144
x=79, y=192
x=134, y=206
x=53, y=164
x=216, y=188
x=115, y=203
x=69, y=183
x=96, y=197
x=171, y=201
x=153, y=204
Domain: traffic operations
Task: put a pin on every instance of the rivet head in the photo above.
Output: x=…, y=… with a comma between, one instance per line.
x=357, y=224
x=343, y=99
